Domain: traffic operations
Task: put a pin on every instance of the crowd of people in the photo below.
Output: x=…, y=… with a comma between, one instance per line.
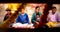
x=23, y=18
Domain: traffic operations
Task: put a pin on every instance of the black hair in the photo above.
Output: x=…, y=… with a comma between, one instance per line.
x=21, y=7
x=37, y=7
x=53, y=7
x=8, y=9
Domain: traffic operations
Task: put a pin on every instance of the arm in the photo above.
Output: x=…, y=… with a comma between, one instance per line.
x=17, y=20
x=5, y=18
x=48, y=18
x=33, y=19
x=27, y=18
x=57, y=17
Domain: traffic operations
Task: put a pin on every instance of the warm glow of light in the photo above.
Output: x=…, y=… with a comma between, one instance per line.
x=13, y=6
x=12, y=11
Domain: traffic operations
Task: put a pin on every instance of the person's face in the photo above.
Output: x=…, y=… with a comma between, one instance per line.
x=23, y=10
x=8, y=12
x=37, y=10
x=54, y=10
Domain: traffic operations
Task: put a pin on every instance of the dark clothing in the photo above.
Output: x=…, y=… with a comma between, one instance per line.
x=6, y=17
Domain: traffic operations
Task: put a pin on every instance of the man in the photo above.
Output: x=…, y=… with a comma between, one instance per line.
x=53, y=17
x=8, y=14
x=23, y=17
x=36, y=16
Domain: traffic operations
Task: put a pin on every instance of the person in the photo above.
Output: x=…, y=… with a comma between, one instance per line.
x=36, y=16
x=53, y=17
x=8, y=14
x=23, y=17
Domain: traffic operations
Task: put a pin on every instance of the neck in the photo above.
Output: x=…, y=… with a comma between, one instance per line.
x=22, y=13
x=37, y=12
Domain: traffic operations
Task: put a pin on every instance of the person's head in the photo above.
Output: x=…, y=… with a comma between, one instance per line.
x=8, y=11
x=37, y=9
x=53, y=9
x=23, y=11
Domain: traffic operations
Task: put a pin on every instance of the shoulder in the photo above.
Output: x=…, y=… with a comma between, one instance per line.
x=40, y=13
x=19, y=15
x=50, y=13
x=26, y=14
x=56, y=14
x=34, y=13
x=6, y=14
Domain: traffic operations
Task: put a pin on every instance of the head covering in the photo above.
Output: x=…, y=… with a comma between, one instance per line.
x=8, y=9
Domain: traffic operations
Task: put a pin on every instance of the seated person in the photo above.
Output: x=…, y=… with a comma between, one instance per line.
x=52, y=17
x=36, y=16
x=23, y=17
x=8, y=14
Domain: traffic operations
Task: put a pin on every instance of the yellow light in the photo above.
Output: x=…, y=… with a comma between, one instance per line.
x=12, y=11
x=13, y=6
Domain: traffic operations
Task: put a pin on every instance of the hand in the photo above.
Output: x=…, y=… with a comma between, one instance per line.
x=37, y=22
x=32, y=27
x=15, y=22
